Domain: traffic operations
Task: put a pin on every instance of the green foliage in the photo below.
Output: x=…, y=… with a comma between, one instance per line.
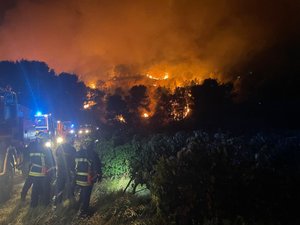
x=193, y=178
x=115, y=159
x=198, y=177
x=148, y=152
x=229, y=178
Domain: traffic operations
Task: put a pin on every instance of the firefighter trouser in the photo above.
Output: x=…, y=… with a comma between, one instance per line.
x=37, y=193
x=26, y=187
x=47, y=190
x=64, y=186
x=85, y=195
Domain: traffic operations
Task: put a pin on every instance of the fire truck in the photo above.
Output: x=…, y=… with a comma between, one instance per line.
x=11, y=137
x=44, y=123
x=16, y=130
x=65, y=128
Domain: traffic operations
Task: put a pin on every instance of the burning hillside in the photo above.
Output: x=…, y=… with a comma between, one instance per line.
x=144, y=97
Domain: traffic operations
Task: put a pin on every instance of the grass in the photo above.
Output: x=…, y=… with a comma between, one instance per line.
x=110, y=206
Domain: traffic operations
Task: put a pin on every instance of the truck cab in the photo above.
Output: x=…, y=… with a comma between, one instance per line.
x=44, y=123
x=10, y=136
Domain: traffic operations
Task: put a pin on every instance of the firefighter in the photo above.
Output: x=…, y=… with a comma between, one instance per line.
x=27, y=185
x=65, y=158
x=25, y=167
x=50, y=175
x=88, y=171
x=41, y=165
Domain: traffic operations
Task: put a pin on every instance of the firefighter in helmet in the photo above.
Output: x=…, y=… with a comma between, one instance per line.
x=65, y=158
x=88, y=171
x=25, y=167
x=41, y=165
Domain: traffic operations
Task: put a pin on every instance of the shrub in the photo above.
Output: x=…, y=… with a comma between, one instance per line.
x=196, y=177
x=115, y=159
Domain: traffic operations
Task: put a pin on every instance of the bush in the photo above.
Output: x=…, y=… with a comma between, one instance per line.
x=224, y=178
x=196, y=177
x=115, y=159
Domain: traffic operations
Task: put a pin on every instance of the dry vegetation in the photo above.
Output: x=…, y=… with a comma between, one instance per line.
x=110, y=207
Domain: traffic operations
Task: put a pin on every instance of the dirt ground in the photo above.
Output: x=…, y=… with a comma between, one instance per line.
x=109, y=208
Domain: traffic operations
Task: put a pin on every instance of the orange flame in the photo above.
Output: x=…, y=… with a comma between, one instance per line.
x=120, y=118
x=88, y=104
x=145, y=115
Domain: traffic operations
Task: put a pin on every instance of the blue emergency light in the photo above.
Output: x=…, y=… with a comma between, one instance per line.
x=38, y=113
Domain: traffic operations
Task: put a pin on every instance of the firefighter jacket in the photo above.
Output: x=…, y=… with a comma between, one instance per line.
x=65, y=159
x=41, y=160
x=88, y=167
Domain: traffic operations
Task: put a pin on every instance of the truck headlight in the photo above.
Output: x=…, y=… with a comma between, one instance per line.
x=59, y=140
x=48, y=144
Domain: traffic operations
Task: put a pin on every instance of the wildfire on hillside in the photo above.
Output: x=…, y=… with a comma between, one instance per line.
x=179, y=105
x=153, y=77
x=165, y=77
x=90, y=99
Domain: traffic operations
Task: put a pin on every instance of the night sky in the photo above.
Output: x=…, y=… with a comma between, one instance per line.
x=193, y=39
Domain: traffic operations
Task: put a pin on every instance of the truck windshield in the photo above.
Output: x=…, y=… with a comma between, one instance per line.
x=40, y=121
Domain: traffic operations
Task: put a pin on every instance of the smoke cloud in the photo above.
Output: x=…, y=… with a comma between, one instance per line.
x=188, y=39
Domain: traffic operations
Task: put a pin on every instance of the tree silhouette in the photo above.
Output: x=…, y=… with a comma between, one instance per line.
x=39, y=88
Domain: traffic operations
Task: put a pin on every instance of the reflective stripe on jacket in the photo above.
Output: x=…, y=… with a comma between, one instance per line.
x=83, y=170
x=38, y=164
